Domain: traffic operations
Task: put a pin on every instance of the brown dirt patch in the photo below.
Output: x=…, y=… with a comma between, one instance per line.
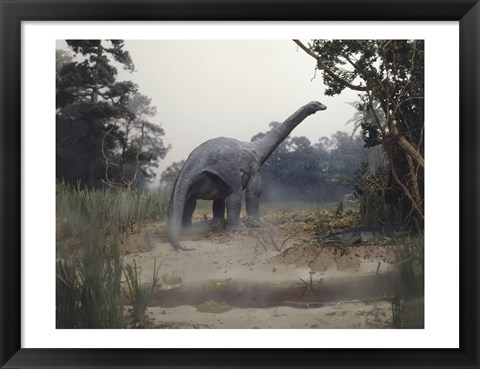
x=282, y=252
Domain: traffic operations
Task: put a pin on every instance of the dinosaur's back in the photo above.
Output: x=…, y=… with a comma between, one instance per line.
x=222, y=156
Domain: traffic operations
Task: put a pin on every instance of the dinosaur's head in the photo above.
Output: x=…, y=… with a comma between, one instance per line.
x=315, y=106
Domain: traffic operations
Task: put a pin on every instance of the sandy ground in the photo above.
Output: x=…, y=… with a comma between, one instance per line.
x=264, y=278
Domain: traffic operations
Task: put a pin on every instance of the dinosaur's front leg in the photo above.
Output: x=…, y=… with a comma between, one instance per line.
x=234, y=203
x=252, y=194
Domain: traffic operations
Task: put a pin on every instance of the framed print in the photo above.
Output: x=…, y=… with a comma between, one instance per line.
x=323, y=248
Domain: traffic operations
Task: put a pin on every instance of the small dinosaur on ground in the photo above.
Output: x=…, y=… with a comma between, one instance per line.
x=354, y=235
x=220, y=169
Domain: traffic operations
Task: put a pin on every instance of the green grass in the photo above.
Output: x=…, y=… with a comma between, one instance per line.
x=139, y=294
x=92, y=229
x=88, y=281
x=408, y=303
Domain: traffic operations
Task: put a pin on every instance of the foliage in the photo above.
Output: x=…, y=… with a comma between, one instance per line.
x=139, y=148
x=103, y=132
x=89, y=265
x=408, y=302
x=389, y=76
x=139, y=294
x=92, y=229
x=169, y=175
x=299, y=170
x=369, y=191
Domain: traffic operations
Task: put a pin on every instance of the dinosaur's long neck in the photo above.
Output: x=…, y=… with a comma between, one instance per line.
x=267, y=145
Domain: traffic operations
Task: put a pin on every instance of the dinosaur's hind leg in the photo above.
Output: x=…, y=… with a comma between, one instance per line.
x=218, y=209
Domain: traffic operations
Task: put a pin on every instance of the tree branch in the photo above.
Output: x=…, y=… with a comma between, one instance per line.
x=114, y=125
x=407, y=192
x=408, y=148
x=322, y=66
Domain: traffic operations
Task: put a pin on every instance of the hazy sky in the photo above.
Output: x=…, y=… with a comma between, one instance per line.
x=204, y=89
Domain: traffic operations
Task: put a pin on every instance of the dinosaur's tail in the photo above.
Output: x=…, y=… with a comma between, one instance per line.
x=175, y=212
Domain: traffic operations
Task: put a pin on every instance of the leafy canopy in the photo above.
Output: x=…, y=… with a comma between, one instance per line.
x=104, y=133
x=389, y=77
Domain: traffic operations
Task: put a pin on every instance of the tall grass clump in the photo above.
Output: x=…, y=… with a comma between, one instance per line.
x=89, y=280
x=408, y=303
x=374, y=198
x=137, y=293
x=89, y=260
x=92, y=228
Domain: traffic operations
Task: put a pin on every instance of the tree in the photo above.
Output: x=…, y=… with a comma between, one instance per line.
x=300, y=171
x=368, y=118
x=102, y=131
x=388, y=74
x=169, y=175
x=139, y=147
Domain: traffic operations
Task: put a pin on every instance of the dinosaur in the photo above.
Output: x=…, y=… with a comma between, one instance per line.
x=220, y=169
x=352, y=236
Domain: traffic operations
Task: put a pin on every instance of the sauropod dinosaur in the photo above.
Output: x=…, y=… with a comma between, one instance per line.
x=220, y=169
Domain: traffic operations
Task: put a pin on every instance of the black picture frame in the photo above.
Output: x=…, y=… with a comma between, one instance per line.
x=467, y=12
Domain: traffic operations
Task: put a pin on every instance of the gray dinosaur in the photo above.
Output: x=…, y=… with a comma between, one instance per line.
x=220, y=169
